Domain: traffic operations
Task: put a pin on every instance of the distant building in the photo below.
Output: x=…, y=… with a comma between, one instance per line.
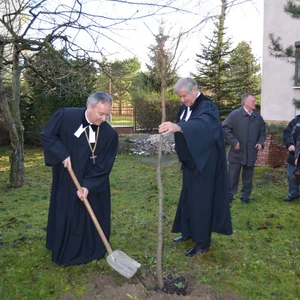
x=278, y=84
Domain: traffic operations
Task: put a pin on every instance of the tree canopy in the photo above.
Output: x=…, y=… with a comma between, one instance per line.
x=225, y=73
x=82, y=29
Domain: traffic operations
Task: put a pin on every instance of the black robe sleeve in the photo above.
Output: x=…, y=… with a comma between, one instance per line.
x=201, y=132
x=54, y=150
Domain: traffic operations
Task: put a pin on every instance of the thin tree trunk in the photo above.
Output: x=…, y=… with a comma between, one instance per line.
x=17, y=170
x=160, y=213
x=13, y=122
x=159, y=271
x=16, y=178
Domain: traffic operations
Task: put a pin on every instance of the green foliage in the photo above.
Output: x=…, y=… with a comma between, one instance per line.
x=213, y=65
x=276, y=131
x=55, y=82
x=290, y=53
x=162, y=70
x=292, y=9
x=223, y=73
x=296, y=103
x=148, y=110
x=244, y=72
x=260, y=260
x=276, y=48
x=117, y=78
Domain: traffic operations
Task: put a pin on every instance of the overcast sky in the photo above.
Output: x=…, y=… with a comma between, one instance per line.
x=244, y=22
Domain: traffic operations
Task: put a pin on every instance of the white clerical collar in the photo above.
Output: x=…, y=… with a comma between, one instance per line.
x=188, y=113
x=81, y=129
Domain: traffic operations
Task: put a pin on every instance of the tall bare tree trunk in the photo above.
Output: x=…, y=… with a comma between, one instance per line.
x=11, y=115
x=163, y=72
x=160, y=213
x=17, y=170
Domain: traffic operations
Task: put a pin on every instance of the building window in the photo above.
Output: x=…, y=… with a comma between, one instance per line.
x=297, y=63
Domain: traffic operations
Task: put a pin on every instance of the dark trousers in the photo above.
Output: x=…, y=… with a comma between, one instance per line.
x=293, y=189
x=234, y=171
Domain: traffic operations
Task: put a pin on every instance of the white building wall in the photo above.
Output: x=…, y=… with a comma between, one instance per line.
x=278, y=89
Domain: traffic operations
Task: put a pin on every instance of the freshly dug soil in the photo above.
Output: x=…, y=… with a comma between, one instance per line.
x=137, y=288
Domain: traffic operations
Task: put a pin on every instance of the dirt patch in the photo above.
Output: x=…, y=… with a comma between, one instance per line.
x=138, y=288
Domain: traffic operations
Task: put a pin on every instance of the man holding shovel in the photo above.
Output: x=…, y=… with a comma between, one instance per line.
x=203, y=206
x=79, y=138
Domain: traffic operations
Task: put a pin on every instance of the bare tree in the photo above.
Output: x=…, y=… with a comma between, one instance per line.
x=165, y=69
x=31, y=26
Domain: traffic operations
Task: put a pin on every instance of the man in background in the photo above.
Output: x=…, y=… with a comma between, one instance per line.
x=245, y=132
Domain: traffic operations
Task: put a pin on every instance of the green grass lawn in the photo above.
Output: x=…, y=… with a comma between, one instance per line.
x=122, y=120
x=260, y=260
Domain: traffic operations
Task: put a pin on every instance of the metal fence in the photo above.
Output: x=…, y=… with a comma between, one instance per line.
x=123, y=117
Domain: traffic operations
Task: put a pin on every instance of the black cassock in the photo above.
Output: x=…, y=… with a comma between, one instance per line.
x=71, y=234
x=204, y=203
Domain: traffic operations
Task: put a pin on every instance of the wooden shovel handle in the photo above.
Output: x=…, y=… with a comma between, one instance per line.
x=91, y=212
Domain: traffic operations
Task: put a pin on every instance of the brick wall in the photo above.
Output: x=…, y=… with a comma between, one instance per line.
x=272, y=155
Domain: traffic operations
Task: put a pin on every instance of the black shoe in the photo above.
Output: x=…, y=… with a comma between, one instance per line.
x=289, y=198
x=196, y=250
x=181, y=239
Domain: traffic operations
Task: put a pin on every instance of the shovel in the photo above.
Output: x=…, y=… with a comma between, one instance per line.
x=117, y=259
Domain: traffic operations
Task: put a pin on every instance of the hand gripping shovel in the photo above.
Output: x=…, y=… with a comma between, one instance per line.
x=117, y=259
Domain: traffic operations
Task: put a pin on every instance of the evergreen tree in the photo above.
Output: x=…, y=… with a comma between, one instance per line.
x=161, y=58
x=244, y=73
x=213, y=65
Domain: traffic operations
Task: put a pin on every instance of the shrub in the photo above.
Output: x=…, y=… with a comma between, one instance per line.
x=149, y=112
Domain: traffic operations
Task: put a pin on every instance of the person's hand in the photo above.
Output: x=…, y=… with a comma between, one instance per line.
x=85, y=193
x=168, y=127
x=237, y=146
x=258, y=146
x=67, y=163
x=291, y=148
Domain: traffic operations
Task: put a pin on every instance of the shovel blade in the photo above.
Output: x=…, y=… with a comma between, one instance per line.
x=122, y=263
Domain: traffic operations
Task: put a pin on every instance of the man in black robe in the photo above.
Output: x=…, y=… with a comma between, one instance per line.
x=82, y=139
x=203, y=206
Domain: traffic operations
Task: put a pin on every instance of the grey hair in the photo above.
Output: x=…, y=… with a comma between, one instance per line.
x=187, y=83
x=97, y=97
x=244, y=97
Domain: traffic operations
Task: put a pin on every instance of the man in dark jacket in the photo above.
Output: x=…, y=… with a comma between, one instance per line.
x=203, y=206
x=245, y=131
x=291, y=135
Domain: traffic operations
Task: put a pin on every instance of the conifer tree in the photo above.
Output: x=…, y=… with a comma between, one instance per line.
x=156, y=55
x=213, y=65
x=244, y=72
